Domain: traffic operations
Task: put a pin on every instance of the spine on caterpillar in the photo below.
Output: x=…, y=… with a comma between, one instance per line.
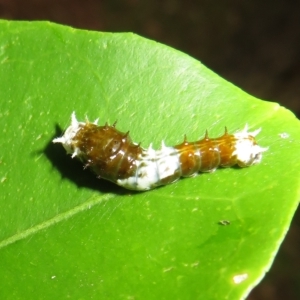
x=113, y=156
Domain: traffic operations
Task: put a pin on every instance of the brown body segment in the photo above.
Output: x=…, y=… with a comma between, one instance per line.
x=207, y=154
x=108, y=152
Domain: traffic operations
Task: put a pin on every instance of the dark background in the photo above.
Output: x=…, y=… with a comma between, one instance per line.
x=254, y=44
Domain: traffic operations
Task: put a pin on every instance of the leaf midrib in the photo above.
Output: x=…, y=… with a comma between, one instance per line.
x=94, y=200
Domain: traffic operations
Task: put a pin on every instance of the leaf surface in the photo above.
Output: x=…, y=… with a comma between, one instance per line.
x=65, y=233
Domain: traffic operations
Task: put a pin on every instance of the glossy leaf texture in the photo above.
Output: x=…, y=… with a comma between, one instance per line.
x=65, y=233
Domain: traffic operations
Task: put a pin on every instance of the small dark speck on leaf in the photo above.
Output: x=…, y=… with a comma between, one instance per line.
x=224, y=222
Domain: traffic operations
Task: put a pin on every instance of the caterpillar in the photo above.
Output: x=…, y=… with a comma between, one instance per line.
x=113, y=156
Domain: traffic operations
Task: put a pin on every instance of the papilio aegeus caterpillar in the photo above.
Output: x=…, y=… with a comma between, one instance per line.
x=112, y=155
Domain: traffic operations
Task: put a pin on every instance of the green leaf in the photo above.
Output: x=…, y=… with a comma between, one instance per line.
x=65, y=233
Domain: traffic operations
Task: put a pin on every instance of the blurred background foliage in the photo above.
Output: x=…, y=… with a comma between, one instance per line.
x=254, y=44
